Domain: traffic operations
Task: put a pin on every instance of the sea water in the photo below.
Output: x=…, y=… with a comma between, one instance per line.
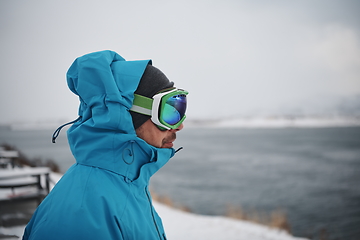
x=311, y=174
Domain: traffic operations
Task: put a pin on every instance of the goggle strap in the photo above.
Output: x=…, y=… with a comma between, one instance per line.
x=142, y=104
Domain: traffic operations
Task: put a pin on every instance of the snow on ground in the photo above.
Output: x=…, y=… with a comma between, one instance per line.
x=181, y=225
x=12, y=232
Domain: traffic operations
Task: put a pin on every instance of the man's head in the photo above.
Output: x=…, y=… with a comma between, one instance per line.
x=151, y=82
x=158, y=109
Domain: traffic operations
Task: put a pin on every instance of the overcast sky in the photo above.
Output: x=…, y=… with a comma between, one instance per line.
x=235, y=57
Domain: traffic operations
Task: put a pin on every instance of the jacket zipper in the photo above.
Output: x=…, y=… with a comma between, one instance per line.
x=152, y=212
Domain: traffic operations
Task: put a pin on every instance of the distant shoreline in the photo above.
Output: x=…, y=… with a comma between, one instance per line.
x=231, y=122
x=278, y=122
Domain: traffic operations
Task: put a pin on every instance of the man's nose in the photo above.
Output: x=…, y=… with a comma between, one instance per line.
x=178, y=128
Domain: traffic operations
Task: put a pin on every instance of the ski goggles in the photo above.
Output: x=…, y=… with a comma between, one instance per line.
x=166, y=108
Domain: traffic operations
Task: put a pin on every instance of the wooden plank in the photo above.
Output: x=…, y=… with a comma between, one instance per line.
x=9, y=154
x=18, y=182
x=27, y=196
x=23, y=172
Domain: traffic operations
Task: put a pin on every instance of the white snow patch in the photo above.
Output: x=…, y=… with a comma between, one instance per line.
x=181, y=225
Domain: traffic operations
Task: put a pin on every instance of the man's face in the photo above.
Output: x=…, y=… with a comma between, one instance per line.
x=151, y=134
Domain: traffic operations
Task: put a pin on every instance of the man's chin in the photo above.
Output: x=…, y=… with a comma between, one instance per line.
x=167, y=145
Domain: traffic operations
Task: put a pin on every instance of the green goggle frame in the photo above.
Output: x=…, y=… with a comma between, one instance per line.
x=166, y=108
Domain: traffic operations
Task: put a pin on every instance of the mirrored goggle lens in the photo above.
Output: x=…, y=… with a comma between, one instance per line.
x=174, y=109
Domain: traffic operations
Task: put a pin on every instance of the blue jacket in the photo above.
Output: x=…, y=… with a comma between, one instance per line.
x=104, y=195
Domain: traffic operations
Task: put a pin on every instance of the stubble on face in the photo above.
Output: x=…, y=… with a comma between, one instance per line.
x=167, y=142
x=151, y=134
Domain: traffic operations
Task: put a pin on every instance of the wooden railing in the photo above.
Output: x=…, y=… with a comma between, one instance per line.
x=24, y=182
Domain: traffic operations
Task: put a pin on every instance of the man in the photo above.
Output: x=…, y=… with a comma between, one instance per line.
x=129, y=115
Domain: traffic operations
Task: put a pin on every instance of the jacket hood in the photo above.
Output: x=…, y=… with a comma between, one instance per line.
x=104, y=135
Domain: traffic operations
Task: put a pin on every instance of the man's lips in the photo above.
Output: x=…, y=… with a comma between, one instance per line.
x=170, y=143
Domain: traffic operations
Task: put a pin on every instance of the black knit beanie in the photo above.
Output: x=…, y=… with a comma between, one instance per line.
x=151, y=82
